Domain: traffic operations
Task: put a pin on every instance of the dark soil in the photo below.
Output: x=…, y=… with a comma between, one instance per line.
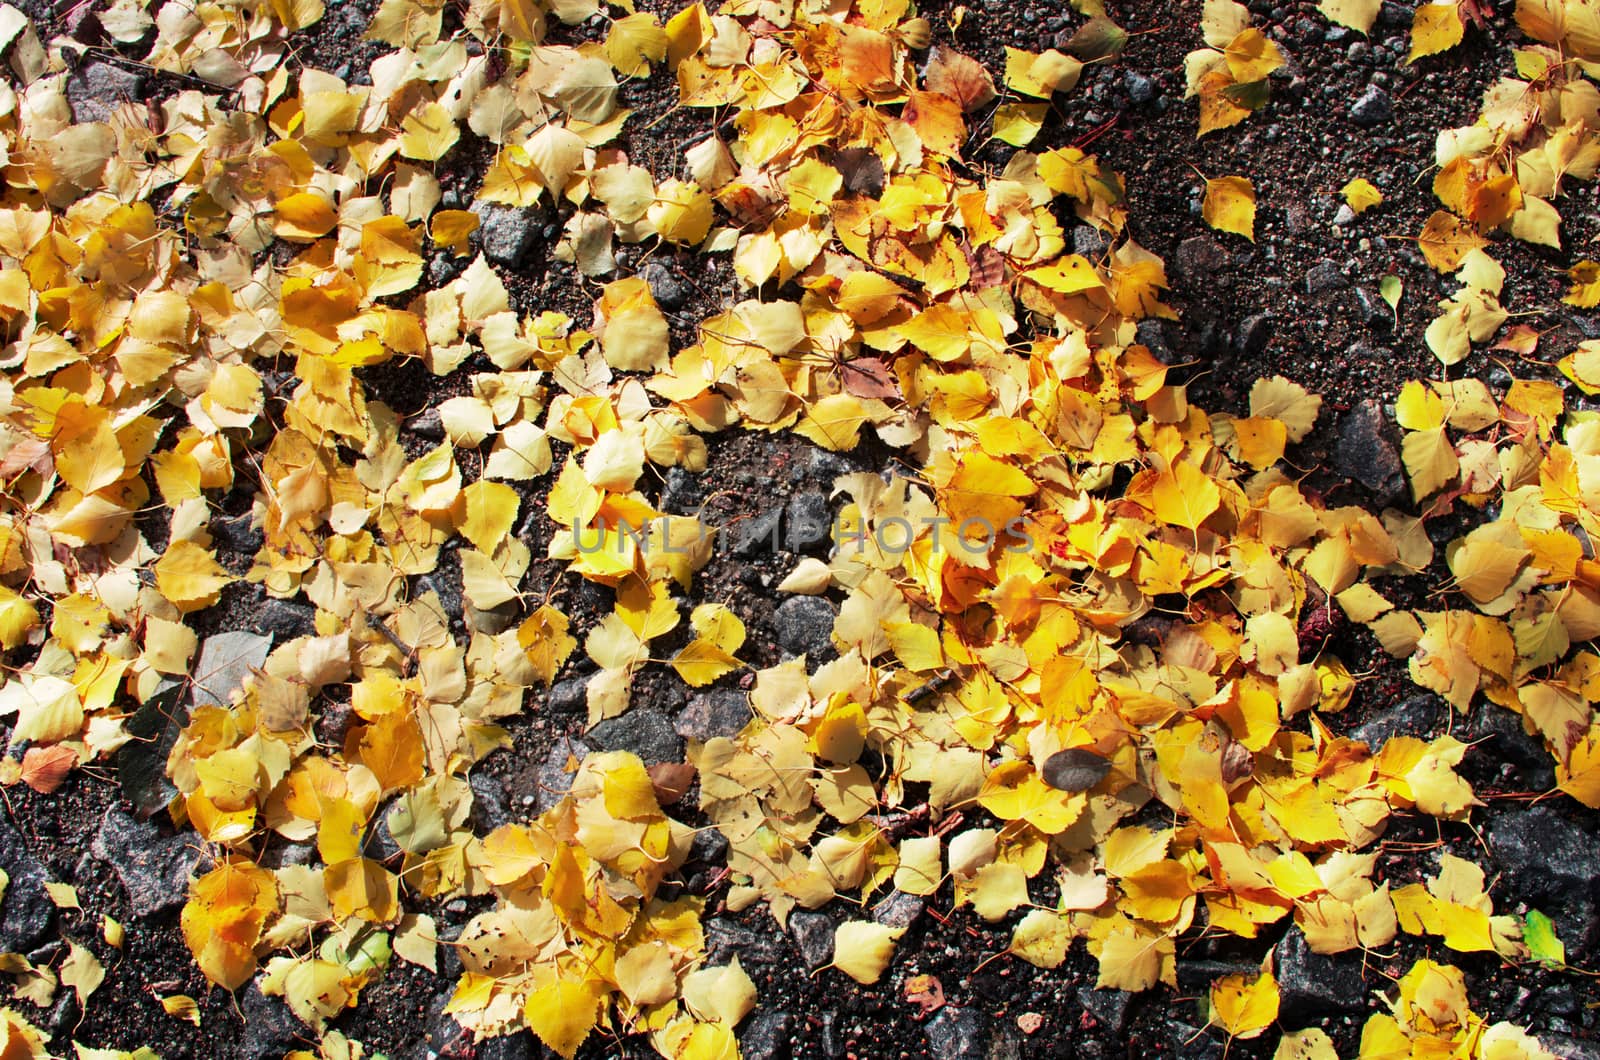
x=1299, y=151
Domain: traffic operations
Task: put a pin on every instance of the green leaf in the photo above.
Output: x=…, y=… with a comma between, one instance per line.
x=1390, y=288
x=1539, y=935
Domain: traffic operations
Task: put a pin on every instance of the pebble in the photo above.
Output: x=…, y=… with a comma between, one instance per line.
x=1421, y=716
x=899, y=910
x=1312, y=985
x=807, y=521
x=1367, y=452
x=1324, y=279
x=1553, y=863
x=570, y=696
x=681, y=493
x=1140, y=88
x=507, y=233
x=153, y=866
x=726, y=939
x=237, y=533
x=1344, y=215
x=1152, y=333
x=554, y=779
x=670, y=292
x=759, y=534
x=1108, y=1007
x=1201, y=258
x=98, y=89
x=1193, y=1043
x=719, y=712
x=427, y=424
x=957, y=1033
x=270, y=1028
x=768, y=1035
x=813, y=936
x=489, y=809
x=1255, y=333
x=26, y=912
x=1088, y=241
x=1375, y=312
x=647, y=733
x=804, y=625
x=285, y=619
x=1372, y=108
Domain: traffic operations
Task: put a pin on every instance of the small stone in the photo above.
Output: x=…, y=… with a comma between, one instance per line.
x=1372, y=109
x=647, y=733
x=1421, y=716
x=285, y=619
x=508, y=233
x=1255, y=332
x=726, y=939
x=1324, y=279
x=489, y=808
x=719, y=712
x=1109, y=1007
x=813, y=935
x=445, y=1036
x=98, y=89
x=26, y=911
x=1088, y=241
x=710, y=846
x=554, y=778
x=570, y=696
x=759, y=535
x=518, y=1046
x=681, y=493
x=1140, y=88
x=806, y=521
x=1152, y=334
x=1552, y=862
x=1375, y=312
x=1367, y=452
x=804, y=625
x=1312, y=985
x=767, y=1036
x=270, y=1028
x=236, y=533
x=427, y=424
x=153, y=866
x=957, y=1033
x=899, y=910
x=1201, y=258
x=1193, y=1043
x=670, y=292
x=1344, y=215
x=1394, y=14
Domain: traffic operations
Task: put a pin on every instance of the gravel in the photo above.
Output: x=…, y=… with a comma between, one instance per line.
x=1368, y=453
x=154, y=866
x=647, y=733
x=719, y=712
x=98, y=89
x=804, y=625
x=1372, y=108
x=508, y=233
x=26, y=912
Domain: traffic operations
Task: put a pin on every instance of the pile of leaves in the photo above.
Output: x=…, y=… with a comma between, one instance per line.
x=1092, y=595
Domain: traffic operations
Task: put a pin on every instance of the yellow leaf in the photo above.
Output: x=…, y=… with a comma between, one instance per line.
x=190, y=576
x=1230, y=206
x=1244, y=1006
x=863, y=949
x=1018, y=123
x=1357, y=14
x=562, y=1013
x=1360, y=195
x=1436, y=27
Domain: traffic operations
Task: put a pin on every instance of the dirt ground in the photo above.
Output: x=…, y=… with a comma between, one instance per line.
x=1301, y=302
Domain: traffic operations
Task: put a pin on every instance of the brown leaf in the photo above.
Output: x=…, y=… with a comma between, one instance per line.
x=869, y=377
x=926, y=992
x=960, y=77
x=671, y=780
x=44, y=768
